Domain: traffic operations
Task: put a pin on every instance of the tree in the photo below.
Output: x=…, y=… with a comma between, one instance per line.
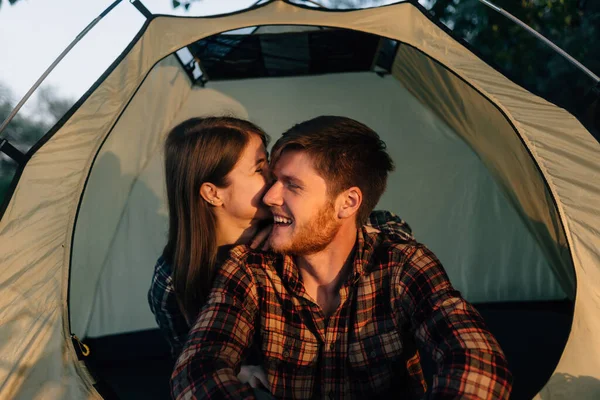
x=11, y=2
x=572, y=25
x=327, y=3
x=25, y=130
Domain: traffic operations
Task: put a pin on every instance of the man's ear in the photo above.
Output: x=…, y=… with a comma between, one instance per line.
x=209, y=192
x=350, y=199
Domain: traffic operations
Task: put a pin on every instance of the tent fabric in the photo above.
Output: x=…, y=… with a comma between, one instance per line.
x=140, y=127
x=36, y=230
x=495, y=141
x=432, y=164
x=226, y=57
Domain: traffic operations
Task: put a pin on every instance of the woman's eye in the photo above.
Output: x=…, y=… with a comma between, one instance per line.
x=259, y=170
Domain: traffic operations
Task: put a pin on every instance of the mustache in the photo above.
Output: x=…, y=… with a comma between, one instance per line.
x=279, y=212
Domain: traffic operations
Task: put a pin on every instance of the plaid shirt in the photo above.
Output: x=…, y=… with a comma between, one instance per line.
x=164, y=306
x=396, y=298
x=163, y=302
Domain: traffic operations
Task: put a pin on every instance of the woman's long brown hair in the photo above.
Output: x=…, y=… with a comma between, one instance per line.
x=196, y=151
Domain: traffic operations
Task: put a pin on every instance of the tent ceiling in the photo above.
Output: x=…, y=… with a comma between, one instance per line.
x=295, y=53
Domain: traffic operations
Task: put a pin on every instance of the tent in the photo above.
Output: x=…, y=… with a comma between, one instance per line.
x=502, y=185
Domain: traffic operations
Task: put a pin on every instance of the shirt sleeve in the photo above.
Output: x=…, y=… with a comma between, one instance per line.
x=470, y=363
x=220, y=338
x=391, y=225
x=163, y=304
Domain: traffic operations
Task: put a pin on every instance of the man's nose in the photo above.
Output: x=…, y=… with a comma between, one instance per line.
x=273, y=195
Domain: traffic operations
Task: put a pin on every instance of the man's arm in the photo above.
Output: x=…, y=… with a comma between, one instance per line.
x=220, y=338
x=163, y=304
x=470, y=362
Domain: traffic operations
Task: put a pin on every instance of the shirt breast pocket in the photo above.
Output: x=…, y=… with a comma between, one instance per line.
x=375, y=362
x=290, y=363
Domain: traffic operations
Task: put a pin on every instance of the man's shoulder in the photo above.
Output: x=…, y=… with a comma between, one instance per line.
x=252, y=261
x=392, y=254
x=389, y=247
x=407, y=259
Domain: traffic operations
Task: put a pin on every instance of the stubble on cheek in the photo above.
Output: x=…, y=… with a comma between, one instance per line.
x=311, y=237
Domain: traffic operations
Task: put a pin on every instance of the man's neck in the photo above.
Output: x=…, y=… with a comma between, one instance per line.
x=323, y=273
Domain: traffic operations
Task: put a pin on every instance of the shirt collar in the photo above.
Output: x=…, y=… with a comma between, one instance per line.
x=363, y=253
x=291, y=274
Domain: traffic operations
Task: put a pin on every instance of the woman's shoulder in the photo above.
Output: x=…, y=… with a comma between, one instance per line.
x=163, y=267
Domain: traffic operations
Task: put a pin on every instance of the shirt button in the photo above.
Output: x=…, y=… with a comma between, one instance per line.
x=286, y=354
x=331, y=395
x=332, y=346
x=373, y=354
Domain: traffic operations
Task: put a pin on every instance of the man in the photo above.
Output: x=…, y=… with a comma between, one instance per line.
x=163, y=300
x=338, y=310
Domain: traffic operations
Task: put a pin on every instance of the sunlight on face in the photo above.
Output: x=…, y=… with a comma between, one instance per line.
x=247, y=185
x=303, y=212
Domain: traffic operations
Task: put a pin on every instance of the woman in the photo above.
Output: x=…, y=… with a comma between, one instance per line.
x=216, y=172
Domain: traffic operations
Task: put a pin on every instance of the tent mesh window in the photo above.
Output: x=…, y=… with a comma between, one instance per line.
x=227, y=56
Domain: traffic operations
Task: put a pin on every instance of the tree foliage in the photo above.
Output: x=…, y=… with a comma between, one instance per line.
x=26, y=129
x=572, y=25
x=327, y=3
x=11, y=2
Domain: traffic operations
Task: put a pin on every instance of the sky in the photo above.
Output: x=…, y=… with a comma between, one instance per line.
x=34, y=32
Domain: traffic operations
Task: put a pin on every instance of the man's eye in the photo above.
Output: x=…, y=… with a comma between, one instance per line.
x=259, y=170
x=293, y=186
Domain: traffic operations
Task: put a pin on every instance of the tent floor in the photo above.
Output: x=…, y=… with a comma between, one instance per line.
x=532, y=334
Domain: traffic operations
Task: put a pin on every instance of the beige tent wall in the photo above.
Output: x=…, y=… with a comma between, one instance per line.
x=485, y=129
x=133, y=141
x=440, y=187
x=36, y=229
x=546, y=134
x=140, y=227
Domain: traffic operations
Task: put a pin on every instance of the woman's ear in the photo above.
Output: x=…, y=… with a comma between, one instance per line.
x=210, y=194
x=351, y=199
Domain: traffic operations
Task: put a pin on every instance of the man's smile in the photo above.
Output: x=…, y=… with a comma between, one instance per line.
x=281, y=220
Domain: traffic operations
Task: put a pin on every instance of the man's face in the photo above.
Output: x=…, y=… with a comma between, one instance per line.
x=304, y=215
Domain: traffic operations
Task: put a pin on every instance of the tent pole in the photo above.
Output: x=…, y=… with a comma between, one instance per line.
x=141, y=8
x=54, y=64
x=314, y=3
x=542, y=38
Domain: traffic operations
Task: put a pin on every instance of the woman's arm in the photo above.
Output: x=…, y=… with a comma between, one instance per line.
x=164, y=306
x=390, y=224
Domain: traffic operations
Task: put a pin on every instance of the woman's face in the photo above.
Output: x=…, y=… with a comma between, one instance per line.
x=242, y=199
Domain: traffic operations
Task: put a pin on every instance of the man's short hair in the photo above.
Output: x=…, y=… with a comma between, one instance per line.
x=346, y=153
